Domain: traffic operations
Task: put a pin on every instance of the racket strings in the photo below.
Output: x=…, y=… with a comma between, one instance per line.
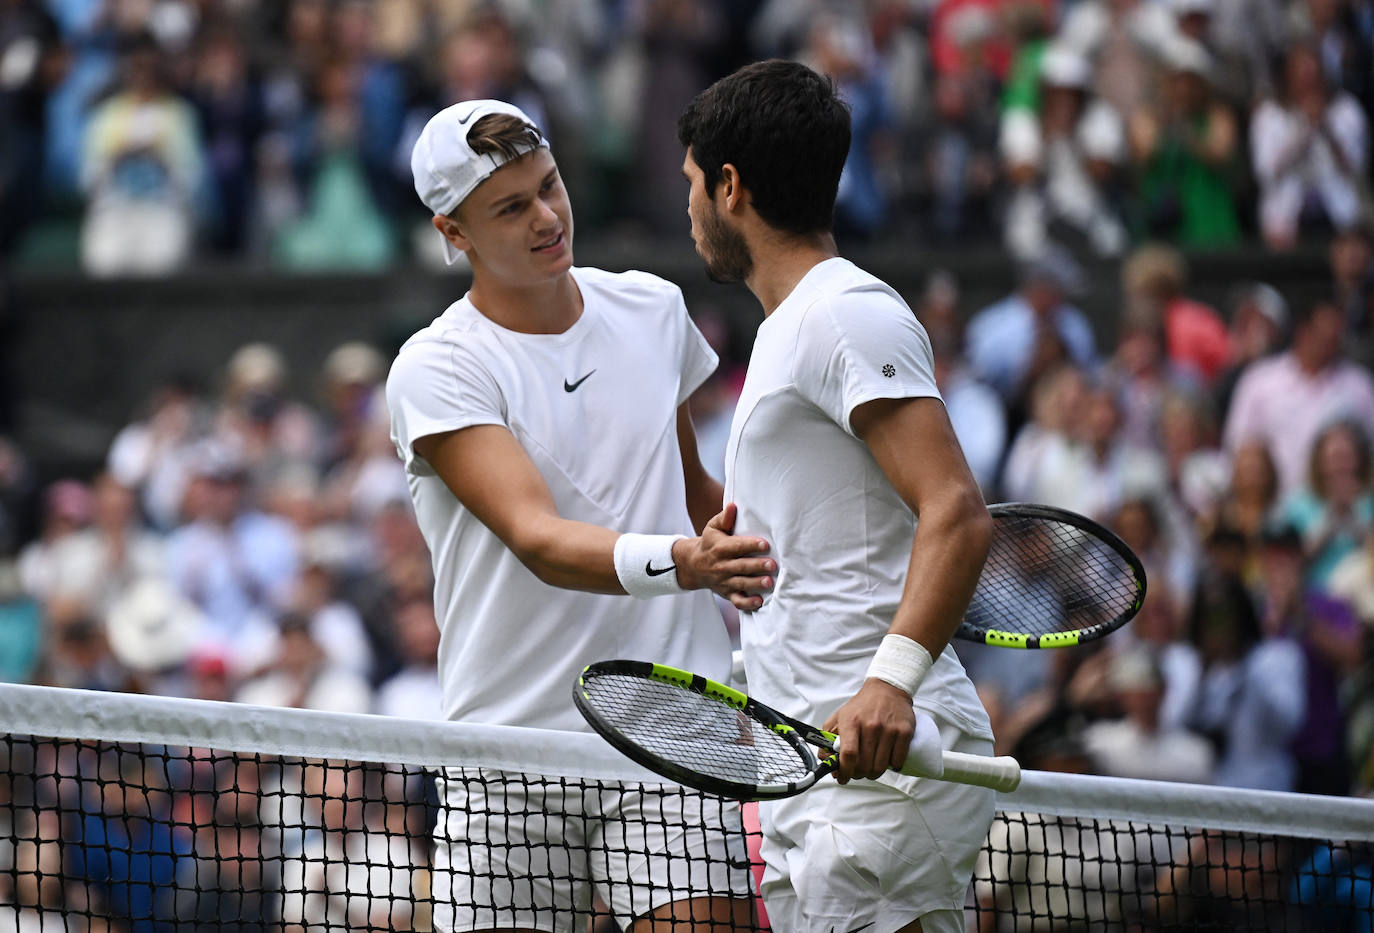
x=1044, y=576
x=694, y=732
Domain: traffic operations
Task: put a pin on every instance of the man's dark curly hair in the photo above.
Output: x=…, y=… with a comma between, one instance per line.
x=786, y=131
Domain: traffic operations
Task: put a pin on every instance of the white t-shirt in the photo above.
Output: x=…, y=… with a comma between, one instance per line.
x=840, y=532
x=595, y=407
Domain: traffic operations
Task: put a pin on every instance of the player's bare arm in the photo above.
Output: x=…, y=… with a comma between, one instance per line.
x=915, y=446
x=491, y=474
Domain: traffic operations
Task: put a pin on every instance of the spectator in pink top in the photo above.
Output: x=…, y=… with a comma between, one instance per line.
x=1153, y=279
x=1285, y=400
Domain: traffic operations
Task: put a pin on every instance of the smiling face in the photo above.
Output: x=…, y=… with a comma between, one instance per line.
x=517, y=225
x=720, y=246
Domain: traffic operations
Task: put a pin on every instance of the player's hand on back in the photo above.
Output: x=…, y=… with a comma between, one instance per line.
x=875, y=728
x=737, y=568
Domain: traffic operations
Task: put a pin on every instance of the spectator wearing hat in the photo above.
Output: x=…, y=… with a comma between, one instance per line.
x=1063, y=161
x=228, y=558
x=1123, y=39
x=1139, y=744
x=1011, y=343
x=362, y=472
x=1240, y=56
x=1286, y=399
x=1310, y=149
x=1185, y=151
x=270, y=430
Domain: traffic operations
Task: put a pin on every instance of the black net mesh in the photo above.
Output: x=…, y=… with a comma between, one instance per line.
x=1041, y=873
x=691, y=731
x=1045, y=576
x=119, y=837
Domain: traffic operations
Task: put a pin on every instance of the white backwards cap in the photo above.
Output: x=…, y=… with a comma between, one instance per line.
x=445, y=168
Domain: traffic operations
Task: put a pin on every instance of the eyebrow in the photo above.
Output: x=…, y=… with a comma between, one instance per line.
x=520, y=195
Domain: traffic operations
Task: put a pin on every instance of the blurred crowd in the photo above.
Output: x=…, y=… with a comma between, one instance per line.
x=168, y=131
x=237, y=545
x=1232, y=453
x=249, y=542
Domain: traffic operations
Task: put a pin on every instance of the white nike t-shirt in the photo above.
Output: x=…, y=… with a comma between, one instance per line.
x=595, y=407
x=841, y=534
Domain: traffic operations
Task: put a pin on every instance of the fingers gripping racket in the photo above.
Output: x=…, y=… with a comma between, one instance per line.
x=714, y=738
x=1053, y=579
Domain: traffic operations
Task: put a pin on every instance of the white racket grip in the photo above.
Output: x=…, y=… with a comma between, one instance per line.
x=1001, y=773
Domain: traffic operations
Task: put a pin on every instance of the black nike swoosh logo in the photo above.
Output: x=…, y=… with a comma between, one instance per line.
x=857, y=929
x=653, y=571
x=572, y=386
x=738, y=862
x=462, y=121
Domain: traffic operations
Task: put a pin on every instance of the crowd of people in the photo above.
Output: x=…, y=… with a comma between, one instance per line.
x=246, y=542
x=281, y=132
x=249, y=544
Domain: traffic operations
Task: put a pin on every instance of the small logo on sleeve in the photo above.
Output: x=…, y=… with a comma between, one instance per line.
x=889, y=370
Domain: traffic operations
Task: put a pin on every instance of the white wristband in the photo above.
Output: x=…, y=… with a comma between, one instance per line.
x=644, y=564
x=901, y=662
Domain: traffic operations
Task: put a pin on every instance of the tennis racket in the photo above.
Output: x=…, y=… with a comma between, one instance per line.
x=1053, y=579
x=714, y=738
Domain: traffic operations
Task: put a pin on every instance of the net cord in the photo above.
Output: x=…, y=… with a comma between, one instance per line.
x=232, y=727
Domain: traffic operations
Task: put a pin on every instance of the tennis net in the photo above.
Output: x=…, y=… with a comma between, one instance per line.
x=129, y=813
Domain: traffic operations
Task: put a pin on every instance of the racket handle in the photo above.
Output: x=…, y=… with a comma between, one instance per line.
x=1002, y=773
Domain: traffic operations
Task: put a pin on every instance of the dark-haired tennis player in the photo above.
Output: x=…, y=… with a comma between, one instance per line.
x=538, y=413
x=839, y=442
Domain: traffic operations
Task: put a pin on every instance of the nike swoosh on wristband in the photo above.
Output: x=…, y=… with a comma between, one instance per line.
x=572, y=386
x=653, y=571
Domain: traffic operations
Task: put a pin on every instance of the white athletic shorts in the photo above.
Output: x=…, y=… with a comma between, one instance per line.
x=872, y=856
x=509, y=854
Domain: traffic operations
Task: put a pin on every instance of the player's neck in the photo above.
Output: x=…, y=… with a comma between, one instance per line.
x=781, y=262
x=548, y=307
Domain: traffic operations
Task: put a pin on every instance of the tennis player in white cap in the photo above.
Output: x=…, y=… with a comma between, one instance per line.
x=543, y=423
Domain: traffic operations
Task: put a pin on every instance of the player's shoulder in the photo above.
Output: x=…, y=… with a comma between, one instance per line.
x=439, y=341
x=458, y=325
x=632, y=288
x=844, y=294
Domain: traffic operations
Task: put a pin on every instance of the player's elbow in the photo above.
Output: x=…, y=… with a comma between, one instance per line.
x=536, y=548
x=964, y=520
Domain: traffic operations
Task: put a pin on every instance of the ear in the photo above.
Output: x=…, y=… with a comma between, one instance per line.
x=731, y=188
x=450, y=230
